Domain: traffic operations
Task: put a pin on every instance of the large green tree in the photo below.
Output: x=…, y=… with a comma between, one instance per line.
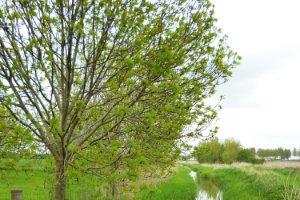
x=85, y=75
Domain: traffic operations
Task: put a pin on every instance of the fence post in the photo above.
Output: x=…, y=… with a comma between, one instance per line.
x=16, y=195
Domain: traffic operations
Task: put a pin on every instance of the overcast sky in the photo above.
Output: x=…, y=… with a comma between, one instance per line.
x=262, y=99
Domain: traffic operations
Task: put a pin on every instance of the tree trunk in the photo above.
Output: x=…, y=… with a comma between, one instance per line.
x=60, y=186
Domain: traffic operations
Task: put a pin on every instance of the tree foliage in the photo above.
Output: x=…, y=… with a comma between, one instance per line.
x=213, y=151
x=231, y=151
x=110, y=83
x=209, y=151
x=246, y=155
x=278, y=153
x=296, y=152
x=15, y=141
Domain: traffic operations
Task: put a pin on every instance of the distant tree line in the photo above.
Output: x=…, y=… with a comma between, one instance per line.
x=296, y=152
x=213, y=151
x=279, y=153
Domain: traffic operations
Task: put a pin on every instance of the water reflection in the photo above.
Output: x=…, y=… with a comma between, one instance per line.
x=193, y=175
x=207, y=189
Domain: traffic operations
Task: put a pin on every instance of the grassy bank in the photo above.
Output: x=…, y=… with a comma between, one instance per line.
x=181, y=186
x=253, y=183
x=36, y=179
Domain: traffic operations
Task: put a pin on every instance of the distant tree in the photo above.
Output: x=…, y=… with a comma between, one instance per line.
x=260, y=153
x=286, y=154
x=209, y=151
x=278, y=153
x=231, y=151
x=294, y=153
x=246, y=155
x=264, y=153
x=253, y=150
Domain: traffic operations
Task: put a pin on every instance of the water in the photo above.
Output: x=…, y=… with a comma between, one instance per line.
x=207, y=190
x=193, y=175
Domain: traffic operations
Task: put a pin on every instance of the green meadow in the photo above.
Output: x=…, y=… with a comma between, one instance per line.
x=35, y=178
x=251, y=182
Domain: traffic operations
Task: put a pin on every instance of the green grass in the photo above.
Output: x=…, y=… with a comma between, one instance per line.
x=253, y=183
x=181, y=186
x=38, y=185
x=36, y=179
x=31, y=183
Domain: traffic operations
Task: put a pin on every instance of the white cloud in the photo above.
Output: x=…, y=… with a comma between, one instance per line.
x=261, y=107
x=255, y=26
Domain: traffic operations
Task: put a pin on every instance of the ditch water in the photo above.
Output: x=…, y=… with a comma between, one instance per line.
x=207, y=190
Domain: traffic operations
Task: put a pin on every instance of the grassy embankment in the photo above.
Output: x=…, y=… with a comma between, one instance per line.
x=181, y=186
x=36, y=180
x=252, y=182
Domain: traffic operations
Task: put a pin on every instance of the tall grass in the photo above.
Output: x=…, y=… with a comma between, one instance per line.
x=181, y=186
x=252, y=183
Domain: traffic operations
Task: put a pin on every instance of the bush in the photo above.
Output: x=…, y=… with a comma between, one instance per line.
x=246, y=155
x=257, y=161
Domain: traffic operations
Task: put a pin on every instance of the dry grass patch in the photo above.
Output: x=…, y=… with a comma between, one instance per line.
x=281, y=164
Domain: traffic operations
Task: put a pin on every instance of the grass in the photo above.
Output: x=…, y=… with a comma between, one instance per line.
x=38, y=185
x=30, y=182
x=253, y=183
x=36, y=179
x=246, y=182
x=181, y=186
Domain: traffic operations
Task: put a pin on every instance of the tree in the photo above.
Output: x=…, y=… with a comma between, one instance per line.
x=84, y=74
x=246, y=155
x=253, y=151
x=278, y=153
x=295, y=153
x=209, y=151
x=231, y=151
x=285, y=153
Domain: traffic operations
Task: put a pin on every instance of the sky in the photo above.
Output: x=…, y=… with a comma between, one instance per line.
x=262, y=99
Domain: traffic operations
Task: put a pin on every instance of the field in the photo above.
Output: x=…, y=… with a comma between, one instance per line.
x=270, y=181
x=35, y=178
x=239, y=181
